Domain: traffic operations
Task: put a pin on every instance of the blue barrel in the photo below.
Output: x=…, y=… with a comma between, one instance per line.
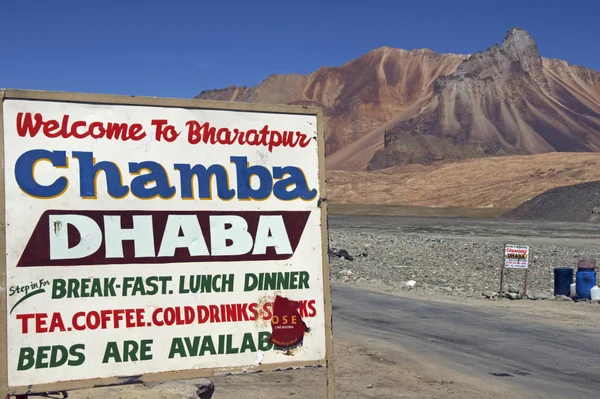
x=584, y=281
x=563, y=278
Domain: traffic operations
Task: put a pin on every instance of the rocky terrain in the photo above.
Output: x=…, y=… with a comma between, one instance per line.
x=434, y=264
x=392, y=107
x=574, y=203
x=505, y=100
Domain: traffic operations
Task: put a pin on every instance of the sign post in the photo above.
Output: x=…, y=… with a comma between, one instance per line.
x=156, y=239
x=515, y=257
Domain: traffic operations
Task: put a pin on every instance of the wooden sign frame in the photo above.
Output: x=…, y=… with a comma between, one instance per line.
x=327, y=361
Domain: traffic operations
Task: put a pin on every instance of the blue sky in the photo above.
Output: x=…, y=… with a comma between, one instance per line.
x=176, y=48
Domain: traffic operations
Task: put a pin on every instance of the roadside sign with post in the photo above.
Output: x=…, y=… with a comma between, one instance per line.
x=153, y=239
x=515, y=257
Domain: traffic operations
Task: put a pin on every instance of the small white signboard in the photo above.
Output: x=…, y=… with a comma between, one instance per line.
x=516, y=256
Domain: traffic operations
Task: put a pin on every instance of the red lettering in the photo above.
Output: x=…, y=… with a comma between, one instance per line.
x=75, y=133
x=194, y=135
x=129, y=318
x=53, y=129
x=50, y=127
x=263, y=135
x=203, y=314
x=275, y=140
x=214, y=314
x=139, y=313
x=97, y=126
x=311, y=306
x=25, y=321
x=75, y=323
x=241, y=311
x=56, y=323
x=207, y=133
x=26, y=126
x=288, y=139
x=92, y=320
x=267, y=309
x=136, y=132
x=155, y=320
x=40, y=322
x=302, y=308
x=252, y=137
x=252, y=309
x=304, y=139
x=116, y=130
x=242, y=137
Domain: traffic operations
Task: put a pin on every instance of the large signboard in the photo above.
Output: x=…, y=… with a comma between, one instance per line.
x=154, y=239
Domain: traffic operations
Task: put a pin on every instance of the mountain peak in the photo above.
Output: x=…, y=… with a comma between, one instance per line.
x=519, y=43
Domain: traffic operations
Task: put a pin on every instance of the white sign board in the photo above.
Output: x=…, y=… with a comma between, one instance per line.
x=516, y=256
x=148, y=236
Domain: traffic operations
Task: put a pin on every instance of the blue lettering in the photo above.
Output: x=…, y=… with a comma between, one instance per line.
x=24, y=173
x=297, y=178
x=88, y=172
x=244, y=175
x=285, y=183
x=158, y=174
x=204, y=177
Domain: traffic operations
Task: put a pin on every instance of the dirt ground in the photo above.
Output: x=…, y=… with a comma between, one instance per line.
x=489, y=182
x=367, y=370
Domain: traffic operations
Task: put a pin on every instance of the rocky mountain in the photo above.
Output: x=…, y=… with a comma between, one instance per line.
x=358, y=97
x=505, y=100
x=392, y=106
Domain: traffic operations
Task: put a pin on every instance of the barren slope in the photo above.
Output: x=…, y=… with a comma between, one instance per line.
x=505, y=100
x=357, y=97
x=501, y=182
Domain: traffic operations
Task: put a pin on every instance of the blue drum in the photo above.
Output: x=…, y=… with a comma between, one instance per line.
x=585, y=279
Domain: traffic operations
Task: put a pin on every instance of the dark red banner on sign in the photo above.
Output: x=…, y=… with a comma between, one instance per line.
x=76, y=238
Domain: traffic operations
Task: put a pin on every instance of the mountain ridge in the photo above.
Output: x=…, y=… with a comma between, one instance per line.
x=393, y=106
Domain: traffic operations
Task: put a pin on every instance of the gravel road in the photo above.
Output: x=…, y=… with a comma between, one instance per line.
x=454, y=256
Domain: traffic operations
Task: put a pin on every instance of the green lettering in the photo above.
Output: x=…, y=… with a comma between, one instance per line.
x=130, y=348
x=59, y=288
x=145, y=349
x=109, y=286
x=96, y=288
x=294, y=282
x=26, y=360
x=304, y=277
x=250, y=282
x=42, y=355
x=230, y=349
x=177, y=348
x=151, y=281
x=112, y=351
x=80, y=357
x=73, y=288
x=263, y=341
x=192, y=348
x=85, y=285
x=207, y=345
x=64, y=354
x=138, y=287
x=248, y=343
